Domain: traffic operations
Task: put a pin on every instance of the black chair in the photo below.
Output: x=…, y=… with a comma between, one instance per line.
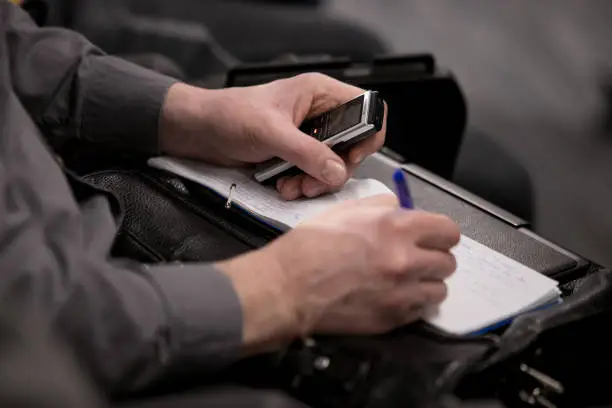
x=486, y=169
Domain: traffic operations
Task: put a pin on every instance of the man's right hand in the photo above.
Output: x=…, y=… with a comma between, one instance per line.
x=364, y=267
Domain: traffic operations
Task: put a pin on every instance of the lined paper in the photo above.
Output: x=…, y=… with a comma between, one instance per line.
x=488, y=287
x=264, y=201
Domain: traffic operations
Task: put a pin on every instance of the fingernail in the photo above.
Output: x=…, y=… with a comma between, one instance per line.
x=280, y=183
x=314, y=190
x=292, y=192
x=333, y=172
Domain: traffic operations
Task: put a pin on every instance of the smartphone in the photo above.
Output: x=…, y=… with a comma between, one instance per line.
x=341, y=128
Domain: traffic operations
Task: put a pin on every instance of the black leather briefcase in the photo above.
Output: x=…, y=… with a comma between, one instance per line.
x=543, y=358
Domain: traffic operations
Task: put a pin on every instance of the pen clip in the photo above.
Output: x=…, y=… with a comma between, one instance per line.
x=228, y=203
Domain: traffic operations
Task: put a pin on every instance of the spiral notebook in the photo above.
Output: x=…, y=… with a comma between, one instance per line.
x=262, y=202
x=487, y=290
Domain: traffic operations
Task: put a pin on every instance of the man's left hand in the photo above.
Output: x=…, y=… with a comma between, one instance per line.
x=241, y=126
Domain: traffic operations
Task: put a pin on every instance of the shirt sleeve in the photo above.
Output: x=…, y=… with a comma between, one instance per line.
x=73, y=90
x=130, y=325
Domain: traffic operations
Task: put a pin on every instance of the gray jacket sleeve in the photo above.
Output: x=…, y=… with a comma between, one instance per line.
x=131, y=324
x=72, y=89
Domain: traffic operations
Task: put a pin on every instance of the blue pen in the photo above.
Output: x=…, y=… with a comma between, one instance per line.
x=403, y=191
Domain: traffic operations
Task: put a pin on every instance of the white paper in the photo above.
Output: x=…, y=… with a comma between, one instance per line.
x=488, y=287
x=264, y=201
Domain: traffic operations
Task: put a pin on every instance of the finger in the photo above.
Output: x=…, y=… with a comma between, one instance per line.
x=408, y=266
x=292, y=188
x=419, y=296
x=370, y=145
x=439, y=233
x=307, y=153
x=328, y=93
x=280, y=182
x=409, y=315
x=431, y=265
x=433, y=292
x=430, y=231
x=312, y=187
x=410, y=303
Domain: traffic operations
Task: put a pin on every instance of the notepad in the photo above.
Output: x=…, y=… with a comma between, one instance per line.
x=487, y=289
x=262, y=202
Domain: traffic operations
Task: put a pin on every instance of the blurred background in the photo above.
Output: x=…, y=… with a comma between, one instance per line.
x=538, y=79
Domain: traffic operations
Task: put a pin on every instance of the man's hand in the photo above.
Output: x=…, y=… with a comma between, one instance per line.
x=364, y=267
x=238, y=126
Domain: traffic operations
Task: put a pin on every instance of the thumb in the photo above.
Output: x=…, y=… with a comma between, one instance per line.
x=310, y=155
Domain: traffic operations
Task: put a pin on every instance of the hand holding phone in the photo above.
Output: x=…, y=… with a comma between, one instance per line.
x=341, y=128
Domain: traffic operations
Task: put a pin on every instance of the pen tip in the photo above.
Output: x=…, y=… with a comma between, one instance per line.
x=398, y=175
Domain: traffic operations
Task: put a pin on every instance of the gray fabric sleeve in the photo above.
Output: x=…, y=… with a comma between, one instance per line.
x=205, y=312
x=73, y=90
x=131, y=325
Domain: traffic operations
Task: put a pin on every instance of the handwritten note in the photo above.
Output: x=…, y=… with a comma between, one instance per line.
x=488, y=287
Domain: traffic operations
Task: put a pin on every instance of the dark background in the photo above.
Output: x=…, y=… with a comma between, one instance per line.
x=535, y=74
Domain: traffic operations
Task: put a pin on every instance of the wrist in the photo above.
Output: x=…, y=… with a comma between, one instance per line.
x=270, y=318
x=185, y=116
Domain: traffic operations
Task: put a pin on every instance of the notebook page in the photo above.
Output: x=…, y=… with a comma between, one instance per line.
x=261, y=200
x=268, y=202
x=488, y=287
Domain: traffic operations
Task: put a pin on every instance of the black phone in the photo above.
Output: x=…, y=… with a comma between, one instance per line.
x=341, y=128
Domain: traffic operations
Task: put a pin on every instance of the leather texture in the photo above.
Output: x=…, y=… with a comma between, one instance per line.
x=163, y=223
x=490, y=231
x=410, y=367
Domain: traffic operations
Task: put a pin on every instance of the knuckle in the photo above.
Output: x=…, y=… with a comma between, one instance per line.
x=442, y=292
x=375, y=143
x=312, y=78
x=448, y=226
x=397, y=264
x=391, y=222
x=454, y=233
x=442, y=265
x=416, y=220
x=437, y=293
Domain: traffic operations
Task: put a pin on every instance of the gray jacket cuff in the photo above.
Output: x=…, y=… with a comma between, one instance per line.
x=206, y=314
x=122, y=104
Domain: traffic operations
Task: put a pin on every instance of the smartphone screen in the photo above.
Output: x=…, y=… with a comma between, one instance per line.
x=345, y=117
